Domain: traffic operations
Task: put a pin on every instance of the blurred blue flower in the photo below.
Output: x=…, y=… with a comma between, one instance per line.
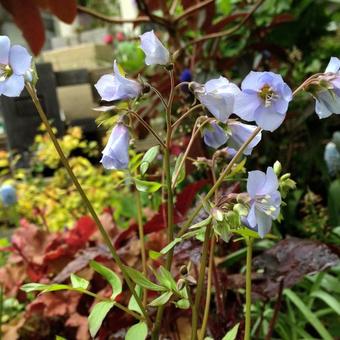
x=115, y=86
x=328, y=99
x=155, y=52
x=264, y=99
x=214, y=136
x=265, y=200
x=185, y=75
x=218, y=96
x=116, y=152
x=239, y=133
x=15, y=61
x=332, y=158
x=8, y=195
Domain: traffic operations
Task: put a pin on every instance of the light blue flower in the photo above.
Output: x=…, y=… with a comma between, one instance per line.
x=328, y=99
x=264, y=99
x=116, y=87
x=332, y=158
x=116, y=152
x=218, y=96
x=155, y=52
x=265, y=200
x=15, y=61
x=214, y=136
x=8, y=195
x=239, y=133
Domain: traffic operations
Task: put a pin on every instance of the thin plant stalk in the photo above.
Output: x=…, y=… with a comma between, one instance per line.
x=249, y=242
x=208, y=295
x=1, y=308
x=141, y=240
x=170, y=203
x=184, y=115
x=148, y=127
x=84, y=197
x=200, y=283
x=195, y=131
x=159, y=95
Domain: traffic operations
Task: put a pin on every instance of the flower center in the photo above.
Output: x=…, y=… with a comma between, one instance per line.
x=264, y=203
x=5, y=72
x=268, y=95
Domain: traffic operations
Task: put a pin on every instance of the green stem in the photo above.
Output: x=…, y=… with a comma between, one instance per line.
x=218, y=183
x=1, y=308
x=200, y=283
x=249, y=242
x=141, y=240
x=84, y=197
x=170, y=202
x=184, y=115
x=117, y=304
x=208, y=295
x=195, y=131
x=148, y=127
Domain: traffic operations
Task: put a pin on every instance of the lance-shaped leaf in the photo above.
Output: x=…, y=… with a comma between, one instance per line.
x=98, y=315
x=148, y=157
x=138, y=331
x=79, y=282
x=231, y=335
x=161, y=300
x=110, y=276
x=141, y=280
x=147, y=186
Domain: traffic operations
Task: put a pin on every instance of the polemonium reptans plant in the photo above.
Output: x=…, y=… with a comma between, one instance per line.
x=220, y=106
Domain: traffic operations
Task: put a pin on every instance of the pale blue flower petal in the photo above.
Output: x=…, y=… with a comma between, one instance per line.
x=5, y=45
x=256, y=180
x=155, y=52
x=251, y=218
x=333, y=65
x=251, y=81
x=267, y=118
x=271, y=183
x=219, y=106
x=19, y=59
x=217, y=84
x=240, y=133
x=214, y=136
x=116, y=87
x=107, y=87
x=13, y=86
x=264, y=222
x=126, y=88
x=218, y=96
x=326, y=104
x=246, y=105
x=116, y=152
x=275, y=201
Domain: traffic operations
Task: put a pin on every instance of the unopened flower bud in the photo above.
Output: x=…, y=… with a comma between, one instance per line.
x=277, y=168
